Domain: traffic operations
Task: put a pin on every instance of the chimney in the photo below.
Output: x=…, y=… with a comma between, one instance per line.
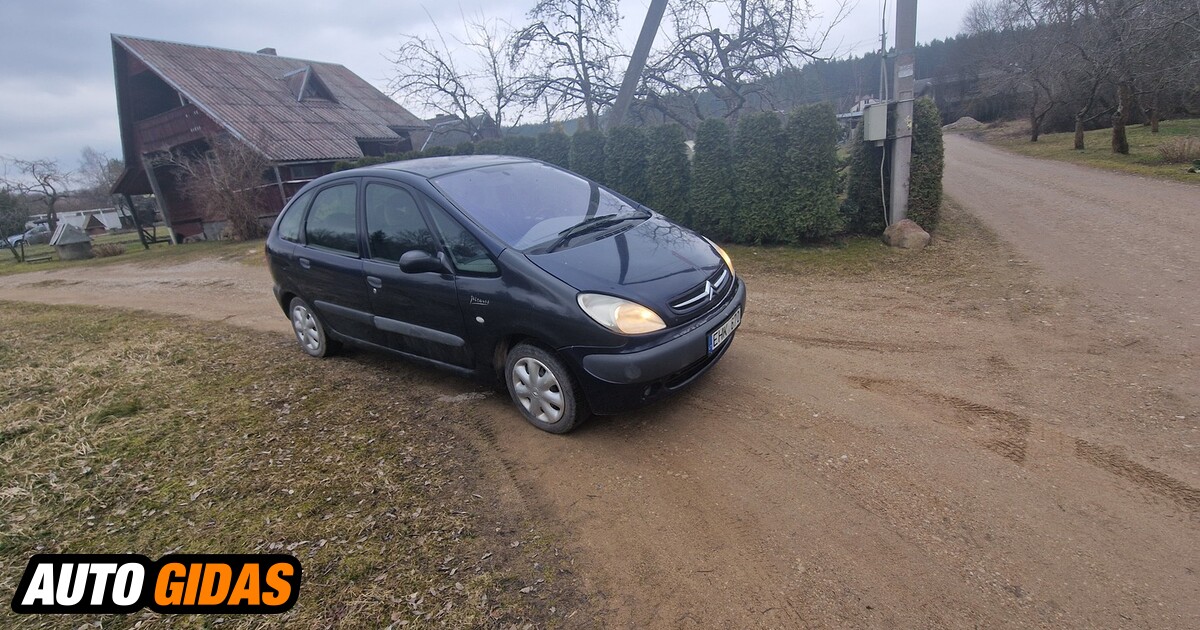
x=267, y=51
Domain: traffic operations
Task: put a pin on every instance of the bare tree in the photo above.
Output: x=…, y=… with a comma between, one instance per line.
x=730, y=49
x=1033, y=57
x=501, y=77
x=41, y=182
x=226, y=183
x=428, y=69
x=572, y=44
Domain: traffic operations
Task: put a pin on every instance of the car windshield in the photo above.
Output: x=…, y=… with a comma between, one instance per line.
x=529, y=204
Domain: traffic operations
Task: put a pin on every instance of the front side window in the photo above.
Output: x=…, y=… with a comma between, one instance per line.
x=289, y=225
x=331, y=221
x=394, y=223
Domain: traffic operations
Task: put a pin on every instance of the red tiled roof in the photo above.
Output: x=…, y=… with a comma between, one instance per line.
x=246, y=93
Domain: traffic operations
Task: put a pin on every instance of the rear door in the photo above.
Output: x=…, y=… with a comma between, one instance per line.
x=330, y=269
x=417, y=313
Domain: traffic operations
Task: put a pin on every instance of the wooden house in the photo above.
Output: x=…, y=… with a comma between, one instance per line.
x=301, y=115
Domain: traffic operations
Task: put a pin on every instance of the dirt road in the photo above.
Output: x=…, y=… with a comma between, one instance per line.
x=1128, y=242
x=951, y=443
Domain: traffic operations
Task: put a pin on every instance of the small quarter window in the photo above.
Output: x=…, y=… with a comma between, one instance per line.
x=331, y=221
x=469, y=255
x=293, y=216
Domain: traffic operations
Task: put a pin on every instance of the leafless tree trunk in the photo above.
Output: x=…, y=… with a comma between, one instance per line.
x=1120, y=140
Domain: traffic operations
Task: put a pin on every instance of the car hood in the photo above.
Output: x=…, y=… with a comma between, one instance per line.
x=651, y=263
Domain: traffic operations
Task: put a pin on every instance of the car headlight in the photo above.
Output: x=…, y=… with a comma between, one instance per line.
x=617, y=315
x=724, y=256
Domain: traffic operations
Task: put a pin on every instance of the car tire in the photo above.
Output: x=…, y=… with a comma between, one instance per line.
x=543, y=389
x=310, y=330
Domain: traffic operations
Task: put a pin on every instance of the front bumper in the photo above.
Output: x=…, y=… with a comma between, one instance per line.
x=614, y=382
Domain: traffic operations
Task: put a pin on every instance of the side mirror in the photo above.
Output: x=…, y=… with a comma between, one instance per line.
x=419, y=261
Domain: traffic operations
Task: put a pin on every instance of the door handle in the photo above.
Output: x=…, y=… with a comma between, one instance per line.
x=375, y=283
x=304, y=262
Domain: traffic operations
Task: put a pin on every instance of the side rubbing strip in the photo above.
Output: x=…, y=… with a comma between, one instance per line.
x=342, y=311
x=419, y=332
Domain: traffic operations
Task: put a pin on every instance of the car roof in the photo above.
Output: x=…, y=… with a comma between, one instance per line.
x=435, y=166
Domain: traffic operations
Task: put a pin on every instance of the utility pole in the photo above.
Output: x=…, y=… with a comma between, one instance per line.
x=904, y=85
x=641, y=51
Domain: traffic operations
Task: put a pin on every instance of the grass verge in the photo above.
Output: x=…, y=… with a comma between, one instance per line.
x=1143, y=159
x=249, y=252
x=134, y=433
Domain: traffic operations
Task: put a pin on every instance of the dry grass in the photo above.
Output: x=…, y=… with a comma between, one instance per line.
x=105, y=250
x=1180, y=150
x=132, y=433
x=1145, y=156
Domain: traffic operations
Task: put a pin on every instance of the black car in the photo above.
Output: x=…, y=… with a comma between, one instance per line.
x=580, y=299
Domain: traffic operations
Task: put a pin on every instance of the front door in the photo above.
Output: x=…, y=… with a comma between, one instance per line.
x=418, y=313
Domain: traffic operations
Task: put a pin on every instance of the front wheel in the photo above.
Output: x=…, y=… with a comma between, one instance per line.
x=309, y=329
x=543, y=389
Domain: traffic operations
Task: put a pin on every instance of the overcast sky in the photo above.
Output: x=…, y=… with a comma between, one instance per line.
x=56, y=83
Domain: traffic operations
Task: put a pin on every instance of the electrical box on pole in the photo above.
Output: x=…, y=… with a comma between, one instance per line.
x=875, y=122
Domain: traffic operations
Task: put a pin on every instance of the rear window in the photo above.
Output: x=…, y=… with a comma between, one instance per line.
x=527, y=204
x=289, y=225
x=331, y=221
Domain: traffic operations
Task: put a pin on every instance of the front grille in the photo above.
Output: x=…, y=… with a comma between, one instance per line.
x=707, y=293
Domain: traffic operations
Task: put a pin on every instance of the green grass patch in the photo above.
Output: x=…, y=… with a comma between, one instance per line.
x=1143, y=159
x=124, y=433
x=248, y=252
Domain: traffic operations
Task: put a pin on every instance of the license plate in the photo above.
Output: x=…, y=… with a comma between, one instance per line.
x=722, y=333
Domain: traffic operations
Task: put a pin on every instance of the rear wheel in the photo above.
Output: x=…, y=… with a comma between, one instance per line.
x=543, y=389
x=309, y=329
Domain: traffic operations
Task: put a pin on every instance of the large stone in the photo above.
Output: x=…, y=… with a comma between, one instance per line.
x=906, y=234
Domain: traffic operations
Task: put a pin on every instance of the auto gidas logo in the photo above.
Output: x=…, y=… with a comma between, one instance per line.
x=177, y=583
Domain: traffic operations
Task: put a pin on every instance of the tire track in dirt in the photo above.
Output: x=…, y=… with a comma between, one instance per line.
x=1011, y=439
x=1157, y=482
x=827, y=342
x=1014, y=433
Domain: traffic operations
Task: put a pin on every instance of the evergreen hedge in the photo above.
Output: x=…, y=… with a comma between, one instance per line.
x=810, y=175
x=625, y=162
x=928, y=162
x=668, y=173
x=713, y=195
x=863, y=208
x=554, y=147
x=759, y=151
x=520, y=146
x=489, y=146
x=465, y=148
x=587, y=154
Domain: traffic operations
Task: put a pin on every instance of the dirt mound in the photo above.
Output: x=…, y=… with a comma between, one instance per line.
x=964, y=123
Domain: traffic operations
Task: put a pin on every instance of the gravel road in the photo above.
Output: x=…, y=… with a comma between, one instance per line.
x=1132, y=244
x=964, y=440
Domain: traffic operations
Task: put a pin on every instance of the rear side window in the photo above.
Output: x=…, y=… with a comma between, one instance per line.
x=289, y=225
x=469, y=255
x=331, y=221
x=394, y=223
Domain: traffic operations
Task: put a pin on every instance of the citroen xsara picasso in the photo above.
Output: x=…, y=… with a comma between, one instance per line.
x=581, y=300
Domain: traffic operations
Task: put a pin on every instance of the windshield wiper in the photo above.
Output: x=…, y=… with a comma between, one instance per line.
x=591, y=225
